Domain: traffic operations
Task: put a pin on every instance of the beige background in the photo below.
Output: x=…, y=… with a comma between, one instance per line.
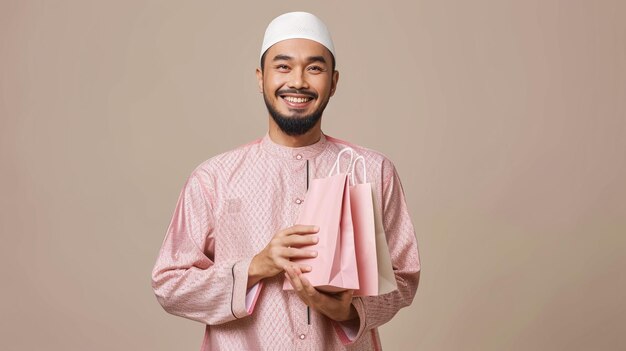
x=505, y=119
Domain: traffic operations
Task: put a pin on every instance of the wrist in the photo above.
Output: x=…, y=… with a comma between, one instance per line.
x=352, y=314
x=348, y=315
x=254, y=272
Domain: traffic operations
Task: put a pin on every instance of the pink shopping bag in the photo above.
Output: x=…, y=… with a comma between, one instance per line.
x=376, y=275
x=327, y=205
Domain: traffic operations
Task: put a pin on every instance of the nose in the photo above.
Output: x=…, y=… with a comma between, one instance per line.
x=297, y=80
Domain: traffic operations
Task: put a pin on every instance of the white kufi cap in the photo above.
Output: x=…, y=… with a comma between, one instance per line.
x=300, y=25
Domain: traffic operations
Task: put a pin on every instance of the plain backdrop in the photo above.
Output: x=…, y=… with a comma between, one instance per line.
x=506, y=121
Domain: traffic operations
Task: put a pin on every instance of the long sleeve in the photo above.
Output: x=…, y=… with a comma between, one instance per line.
x=376, y=310
x=229, y=209
x=185, y=279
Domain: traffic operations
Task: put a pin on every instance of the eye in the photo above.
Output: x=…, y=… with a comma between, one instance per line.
x=282, y=67
x=315, y=69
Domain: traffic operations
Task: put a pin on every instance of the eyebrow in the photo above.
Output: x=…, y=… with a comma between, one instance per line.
x=309, y=59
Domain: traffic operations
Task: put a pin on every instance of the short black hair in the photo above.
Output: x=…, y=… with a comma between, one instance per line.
x=263, y=60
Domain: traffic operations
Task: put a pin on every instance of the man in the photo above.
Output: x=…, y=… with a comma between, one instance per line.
x=233, y=239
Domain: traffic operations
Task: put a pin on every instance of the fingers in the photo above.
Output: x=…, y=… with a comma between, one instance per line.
x=335, y=306
x=294, y=278
x=305, y=268
x=296, y=236
x=287, y=245
x=299, y=282
x=293, y=252
x=302, y=266
x=308, y=288
x=300, y=229
x=300, y=240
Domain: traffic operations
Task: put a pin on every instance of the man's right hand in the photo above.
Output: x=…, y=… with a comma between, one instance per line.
x=287, y=244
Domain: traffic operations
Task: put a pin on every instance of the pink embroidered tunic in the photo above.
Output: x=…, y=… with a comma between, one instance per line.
x=229, y=209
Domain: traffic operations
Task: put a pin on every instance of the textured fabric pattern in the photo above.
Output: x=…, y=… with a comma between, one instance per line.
x=229, y=209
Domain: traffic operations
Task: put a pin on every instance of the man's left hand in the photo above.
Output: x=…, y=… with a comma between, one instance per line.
x=335, y=306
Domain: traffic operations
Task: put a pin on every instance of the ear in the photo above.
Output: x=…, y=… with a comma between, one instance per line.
x=333, y=84
x=259, y=78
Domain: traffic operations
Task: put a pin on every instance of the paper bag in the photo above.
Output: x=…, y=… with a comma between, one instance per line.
x=386, y=278
x=376, y=275
x=327, y=205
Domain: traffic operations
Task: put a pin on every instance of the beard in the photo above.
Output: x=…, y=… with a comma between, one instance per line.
x=295, y=125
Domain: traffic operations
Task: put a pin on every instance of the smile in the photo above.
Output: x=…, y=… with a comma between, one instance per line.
x=297, y=102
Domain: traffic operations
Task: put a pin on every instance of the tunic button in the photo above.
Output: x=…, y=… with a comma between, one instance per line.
x=298, y=201
x=298, y=156
x=302, y=336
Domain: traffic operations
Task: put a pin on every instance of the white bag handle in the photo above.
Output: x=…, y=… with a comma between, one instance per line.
x=353, y=177
x=336, y=165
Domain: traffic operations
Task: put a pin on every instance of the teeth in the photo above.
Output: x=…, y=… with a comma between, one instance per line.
x=296, y=99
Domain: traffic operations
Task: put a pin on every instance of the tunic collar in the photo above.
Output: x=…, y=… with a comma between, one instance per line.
x=298, y=153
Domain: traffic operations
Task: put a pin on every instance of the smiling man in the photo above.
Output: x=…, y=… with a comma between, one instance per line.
x=297, y=85
x=233, y=235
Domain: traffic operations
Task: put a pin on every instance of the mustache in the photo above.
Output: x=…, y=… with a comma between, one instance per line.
x=297, y=91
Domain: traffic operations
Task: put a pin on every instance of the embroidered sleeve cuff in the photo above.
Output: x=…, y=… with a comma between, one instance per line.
x=350, y=331
x=244, y=300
